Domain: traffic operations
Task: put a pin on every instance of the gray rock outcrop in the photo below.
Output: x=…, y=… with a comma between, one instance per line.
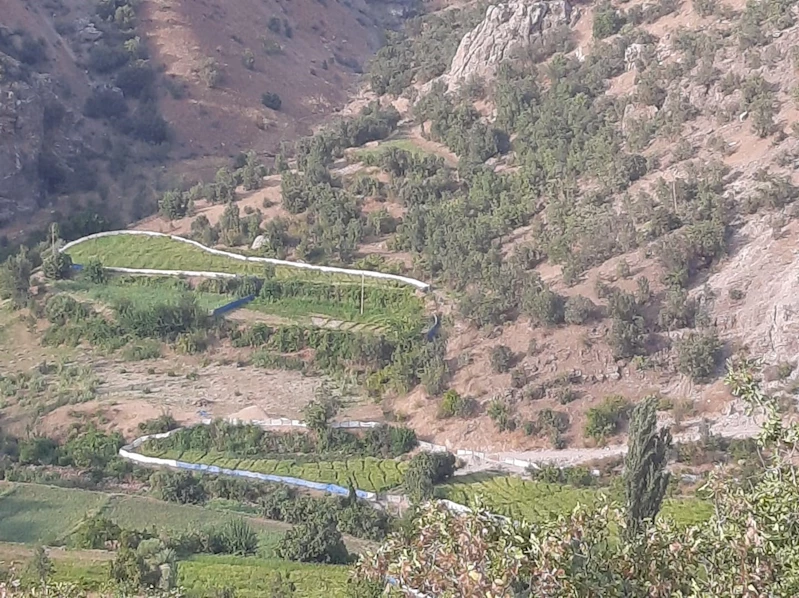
x=506, y=28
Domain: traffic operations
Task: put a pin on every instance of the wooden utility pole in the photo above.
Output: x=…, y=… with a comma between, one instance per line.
x=363, y=284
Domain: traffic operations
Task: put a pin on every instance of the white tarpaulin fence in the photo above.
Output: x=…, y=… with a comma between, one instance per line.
x=237, y=256
x=127, y=452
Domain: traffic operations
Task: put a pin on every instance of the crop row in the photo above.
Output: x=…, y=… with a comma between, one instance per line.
x=538, y=501
x=366, y=473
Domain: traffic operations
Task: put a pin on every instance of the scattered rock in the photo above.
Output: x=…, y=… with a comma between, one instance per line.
x=631, y=55
x=258, y=242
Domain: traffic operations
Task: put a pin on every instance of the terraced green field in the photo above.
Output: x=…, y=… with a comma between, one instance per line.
x=164, y=253
x=406, y=311
x=157, y=253
x=251, y=577
x=404, y=144
x=367, y=473
x=33, y=513
x=536, y=501
x=141, y=295
x=248, y=577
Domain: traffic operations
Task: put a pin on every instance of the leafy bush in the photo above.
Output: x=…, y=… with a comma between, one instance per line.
x=141, y=351
x=314, y=541
x=579, y=477
x=238, y=537
x=255, y=442
x=501, y=359
x=94, y=272
x=698, y=355
x=677, y=311
x=424, y=471
x=605, y=419
x=135, y=80
x=180, y=487
x=57, y=266
x=454, y=405
x=105, y=103
x=159, y=425
x=210, y=73
x=545, y=306
x=271, y=100
x=501, y=414
x=15, y=275
x=607, y=21
x=579, y=310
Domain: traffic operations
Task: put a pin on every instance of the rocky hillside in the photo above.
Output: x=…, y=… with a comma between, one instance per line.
x=603, y=197
x=97, y=93
x=621, y=221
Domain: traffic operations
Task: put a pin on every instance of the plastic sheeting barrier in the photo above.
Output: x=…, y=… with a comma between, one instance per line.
x=228, y=307
x=265, y=260
x=126, y=452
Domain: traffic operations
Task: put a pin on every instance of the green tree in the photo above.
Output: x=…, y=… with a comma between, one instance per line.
x=424, y=471
x=645, y=476
x=57, y=265
x=15, y=276
x=94, y=272
x=317, y=540
x=174, y=204
x=698, y=355
x=251, y=173
x=607, y=21
x=501, y=358
x=271, y=100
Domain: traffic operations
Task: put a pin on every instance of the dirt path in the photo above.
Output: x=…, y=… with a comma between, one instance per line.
x=735, y=425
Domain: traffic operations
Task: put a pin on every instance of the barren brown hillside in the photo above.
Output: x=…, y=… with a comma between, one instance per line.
x=308, y=54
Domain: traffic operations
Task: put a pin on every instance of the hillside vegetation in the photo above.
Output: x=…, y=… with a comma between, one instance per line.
x=599, y=201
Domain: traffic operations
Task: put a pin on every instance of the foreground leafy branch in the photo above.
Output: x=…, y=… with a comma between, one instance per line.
x=749, y=547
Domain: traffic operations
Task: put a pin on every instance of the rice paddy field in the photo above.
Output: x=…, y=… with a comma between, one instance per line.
x=536, y=501
x=367, y=473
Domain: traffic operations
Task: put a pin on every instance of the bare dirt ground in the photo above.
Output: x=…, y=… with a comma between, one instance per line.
x=131, y=393
x=191, y=388
x=219, y=121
